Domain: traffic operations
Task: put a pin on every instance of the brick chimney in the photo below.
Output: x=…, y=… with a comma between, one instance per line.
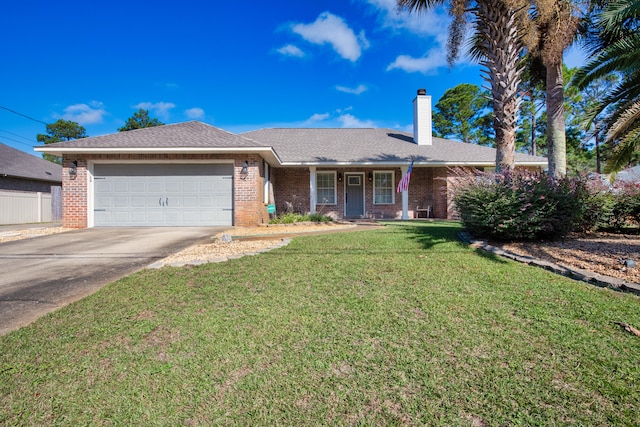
x=422, y=118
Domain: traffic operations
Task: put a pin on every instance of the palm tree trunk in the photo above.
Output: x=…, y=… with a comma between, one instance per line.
x=500, y=44
x=556, y=137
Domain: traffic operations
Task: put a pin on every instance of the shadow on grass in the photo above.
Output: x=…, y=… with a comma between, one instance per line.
x=430, y=234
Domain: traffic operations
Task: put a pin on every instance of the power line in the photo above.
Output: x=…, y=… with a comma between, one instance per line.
x=23, y=115
x=6, y=138
x=19, y=136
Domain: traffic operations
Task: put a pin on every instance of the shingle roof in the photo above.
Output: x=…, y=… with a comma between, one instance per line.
x=329, y=146
x=19, y=164
x=192, y=134
x=295, y=146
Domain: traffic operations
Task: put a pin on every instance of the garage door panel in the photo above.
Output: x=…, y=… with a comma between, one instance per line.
x=163, y=195
x=153, y=186
x=121, y=187
x=121, y=201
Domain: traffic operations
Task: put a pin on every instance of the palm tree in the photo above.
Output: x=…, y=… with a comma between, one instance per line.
x=617, y=49
x=497, y=45
x=555, y=26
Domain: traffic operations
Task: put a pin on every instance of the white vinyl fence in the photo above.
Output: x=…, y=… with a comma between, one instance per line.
x=18, y=207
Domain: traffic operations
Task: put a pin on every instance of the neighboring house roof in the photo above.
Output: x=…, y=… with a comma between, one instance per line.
x=319, y=146
x=629, y=175
x=19, y=164
x=291, y=147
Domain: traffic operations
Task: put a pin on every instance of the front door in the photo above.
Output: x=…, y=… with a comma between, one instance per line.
x=354, y=196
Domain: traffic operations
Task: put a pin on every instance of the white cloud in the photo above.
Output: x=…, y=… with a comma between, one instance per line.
x=194, y=113
x=331, y=29
x=350, y=121
x=432, y=22
x=435, y=59
x=160, y=109
x=291, y=50
x=85, y=114
x=355, y=90
x=431, y=25
x=317, y=117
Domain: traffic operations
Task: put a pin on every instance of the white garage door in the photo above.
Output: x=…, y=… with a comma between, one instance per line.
x=163, y=195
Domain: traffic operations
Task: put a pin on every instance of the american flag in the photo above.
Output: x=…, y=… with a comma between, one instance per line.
x=403, y=185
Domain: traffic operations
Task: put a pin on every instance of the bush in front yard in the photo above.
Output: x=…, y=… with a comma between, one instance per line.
x=291, y=218
x=614, y=208
x=519, y=205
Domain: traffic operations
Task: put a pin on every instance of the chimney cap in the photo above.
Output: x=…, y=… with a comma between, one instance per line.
x=422, y=91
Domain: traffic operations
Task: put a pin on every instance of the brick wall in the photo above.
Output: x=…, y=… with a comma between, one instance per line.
x=74, y=194
x=428, y=185
x=249, y=208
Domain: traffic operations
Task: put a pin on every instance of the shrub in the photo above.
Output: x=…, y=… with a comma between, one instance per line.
x=291, y=218
x=519, y=205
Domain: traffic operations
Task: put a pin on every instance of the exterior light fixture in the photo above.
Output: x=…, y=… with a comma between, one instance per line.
x=370, y=176
x=73, y=169
x=339, y=176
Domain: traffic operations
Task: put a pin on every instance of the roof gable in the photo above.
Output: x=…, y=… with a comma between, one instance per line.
x=19, y=164
x=191, y=134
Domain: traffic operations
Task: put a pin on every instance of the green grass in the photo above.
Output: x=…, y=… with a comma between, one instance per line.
x=397, y=326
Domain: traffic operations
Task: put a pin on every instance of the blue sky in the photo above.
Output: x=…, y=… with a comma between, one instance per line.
x=237, y=66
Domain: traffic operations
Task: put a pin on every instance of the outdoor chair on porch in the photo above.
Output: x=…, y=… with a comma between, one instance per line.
x=290, y=208
x=423, y=210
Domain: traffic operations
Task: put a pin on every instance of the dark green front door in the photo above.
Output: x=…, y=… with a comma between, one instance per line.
x=354, y=196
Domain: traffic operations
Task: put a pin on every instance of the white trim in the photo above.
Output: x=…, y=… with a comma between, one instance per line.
x=393, y=189
x=267, y=152
x=364, y=192
x=266, y=181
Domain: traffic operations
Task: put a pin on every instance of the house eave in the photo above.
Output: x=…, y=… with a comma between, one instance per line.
x=266, y=152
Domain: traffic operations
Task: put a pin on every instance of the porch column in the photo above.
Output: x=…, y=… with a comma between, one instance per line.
x=312, y=189
x=405, y=195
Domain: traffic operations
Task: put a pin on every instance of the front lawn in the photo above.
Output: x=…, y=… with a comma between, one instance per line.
x=403, y=325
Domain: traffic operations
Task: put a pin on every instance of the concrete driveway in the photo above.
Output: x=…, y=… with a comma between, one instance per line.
x=42, y=274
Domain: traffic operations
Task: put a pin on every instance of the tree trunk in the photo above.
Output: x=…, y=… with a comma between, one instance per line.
x=533, y=131
x=501, y=46
x=597, y=137
x=556, y=137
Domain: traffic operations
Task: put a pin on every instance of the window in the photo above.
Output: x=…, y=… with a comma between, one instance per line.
x=383, y=191
x=326, y=188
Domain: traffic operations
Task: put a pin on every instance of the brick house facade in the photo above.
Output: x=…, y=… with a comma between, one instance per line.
x=195, y=174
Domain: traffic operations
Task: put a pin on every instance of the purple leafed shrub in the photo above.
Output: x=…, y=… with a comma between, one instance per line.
x=519, y=205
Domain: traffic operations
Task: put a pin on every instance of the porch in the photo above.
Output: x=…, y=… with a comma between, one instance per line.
x=361, y=193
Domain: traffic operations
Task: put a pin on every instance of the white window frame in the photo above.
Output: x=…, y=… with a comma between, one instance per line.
x=319, y=200
x=391, y=186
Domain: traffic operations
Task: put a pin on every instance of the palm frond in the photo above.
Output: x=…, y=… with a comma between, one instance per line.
x=625, y=122
x=624, y=151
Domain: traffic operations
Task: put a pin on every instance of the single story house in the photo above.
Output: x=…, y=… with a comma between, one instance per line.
x=20, y=171
x=193, y=174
